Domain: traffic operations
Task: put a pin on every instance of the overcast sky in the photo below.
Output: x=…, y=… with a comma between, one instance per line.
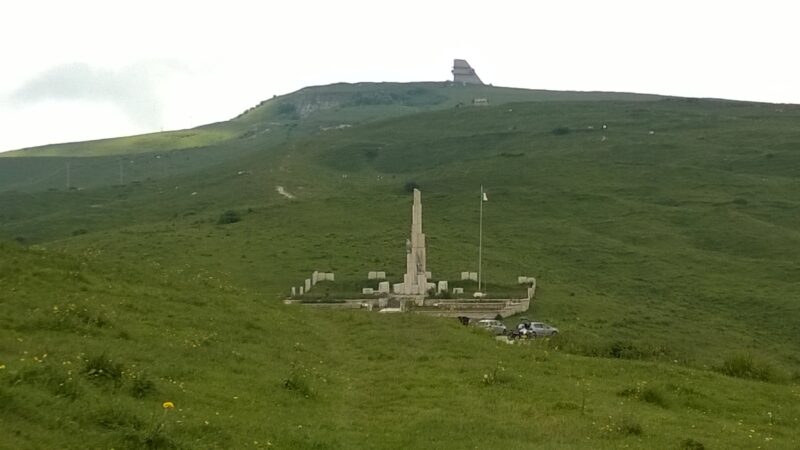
x=78, y=70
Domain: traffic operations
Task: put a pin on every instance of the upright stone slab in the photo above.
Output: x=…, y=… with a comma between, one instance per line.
x=522, y=280
x=458, y=290
x=367, y=291
x=372, y=275
x=294, y=291
x=399, y=288
x=473, y=276
x=383, y=287
x=464, y=276
x=380, y=275
x=315, y=277
x=308, y=284
x=329, y=276
x=441, y=287
x=301, y=290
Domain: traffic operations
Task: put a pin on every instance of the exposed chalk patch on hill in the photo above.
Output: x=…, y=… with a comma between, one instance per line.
x=284, y=193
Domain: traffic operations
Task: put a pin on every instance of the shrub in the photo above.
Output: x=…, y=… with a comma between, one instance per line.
x=101, y=368
x=287, y=109
x=745, y=366
x=297, y=381
x=646, y=394
x=141, y=385
x=629, y=426
x=229, y=216
x=410, y=186
x=496, y=376
x=691, y=444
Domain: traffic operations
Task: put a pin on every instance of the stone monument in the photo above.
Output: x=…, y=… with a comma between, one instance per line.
x=415, y=280
x=464, y=74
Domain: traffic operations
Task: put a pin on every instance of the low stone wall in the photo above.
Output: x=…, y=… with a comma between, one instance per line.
x=483, y=309
x=479, y=309
x=350, y=303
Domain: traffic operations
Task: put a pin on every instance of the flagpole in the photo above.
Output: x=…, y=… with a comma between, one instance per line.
x=480, y=240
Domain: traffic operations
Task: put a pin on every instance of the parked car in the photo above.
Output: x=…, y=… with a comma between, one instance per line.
x=543, y=329
x=529, y=330
x=495, y=326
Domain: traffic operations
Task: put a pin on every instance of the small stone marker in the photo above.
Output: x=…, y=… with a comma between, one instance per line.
x=294, y=291
x=441, y=287
x=458, y=290
x=301, y=290
x=430, y=286
x=372, y=275
x=368, y=291
x=383, y=287
x=464, y=276
x=380, y=275
x=308, y=284
x=473, y=276
x=329, y=276
x=398, y=288
x=315, y=277
x=428, y=275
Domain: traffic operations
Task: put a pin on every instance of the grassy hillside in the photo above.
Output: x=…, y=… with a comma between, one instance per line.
x=665, y=248
x=91, y=365
x=307, y=112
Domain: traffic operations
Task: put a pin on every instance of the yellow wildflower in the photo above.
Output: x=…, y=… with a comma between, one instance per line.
x=168, y=405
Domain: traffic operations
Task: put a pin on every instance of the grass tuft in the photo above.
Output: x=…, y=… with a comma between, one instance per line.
x=747, y=367
x=101, y=368
x=691, y=444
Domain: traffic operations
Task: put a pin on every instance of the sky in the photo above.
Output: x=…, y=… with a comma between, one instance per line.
x=80, y=69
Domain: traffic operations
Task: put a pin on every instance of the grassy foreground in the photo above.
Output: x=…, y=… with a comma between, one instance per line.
x=92, y=363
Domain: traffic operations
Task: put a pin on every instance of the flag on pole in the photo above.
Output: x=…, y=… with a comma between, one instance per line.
x=485, y=198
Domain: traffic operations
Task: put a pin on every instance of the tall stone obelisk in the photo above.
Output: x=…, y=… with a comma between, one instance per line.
x=415, y=280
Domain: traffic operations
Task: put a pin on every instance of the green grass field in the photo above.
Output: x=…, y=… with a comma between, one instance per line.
x=664, y=246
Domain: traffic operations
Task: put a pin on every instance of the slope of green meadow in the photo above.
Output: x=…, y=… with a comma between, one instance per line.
x=665, y=248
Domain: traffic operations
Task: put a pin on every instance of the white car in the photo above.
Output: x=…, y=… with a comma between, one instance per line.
x=495, y=326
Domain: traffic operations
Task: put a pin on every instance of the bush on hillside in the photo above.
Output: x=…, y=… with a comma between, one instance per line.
x=229, y=216
x=410, y=186
x=287, y=109
x=691, y=444
x=747, y=367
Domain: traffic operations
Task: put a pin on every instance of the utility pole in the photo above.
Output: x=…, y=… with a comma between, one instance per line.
x=69, y=180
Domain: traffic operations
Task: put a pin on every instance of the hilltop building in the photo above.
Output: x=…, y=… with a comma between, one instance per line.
x=464, y=74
